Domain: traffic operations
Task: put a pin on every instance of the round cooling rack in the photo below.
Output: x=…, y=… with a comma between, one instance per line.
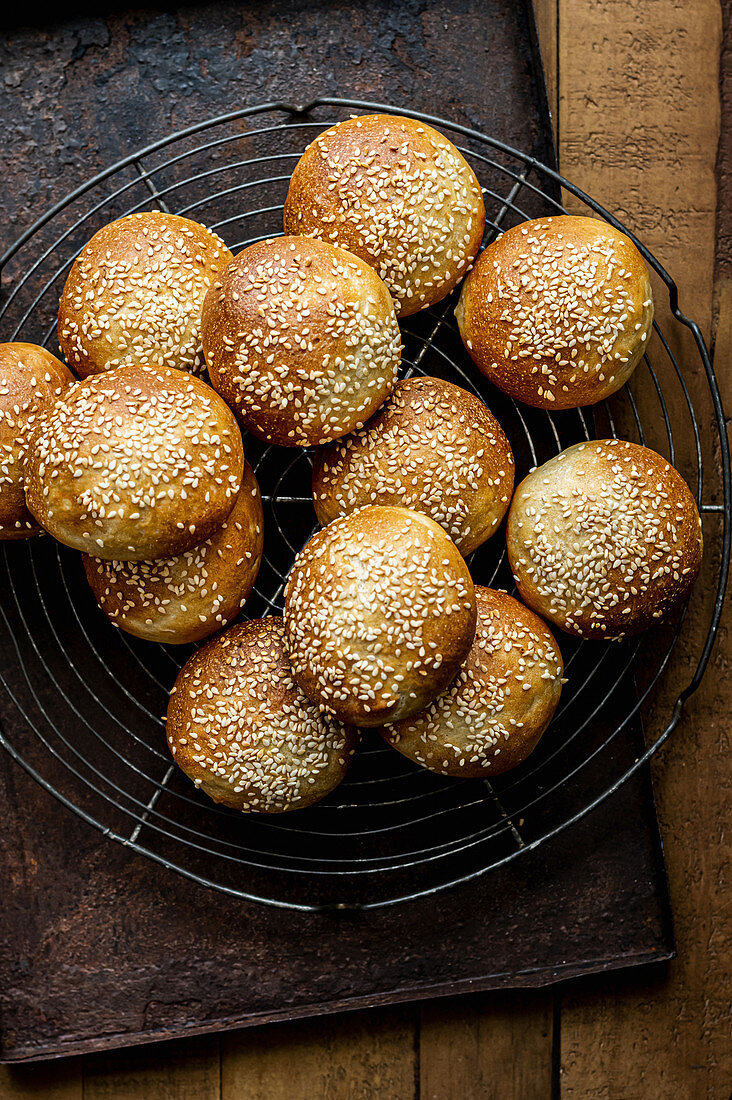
x=82, y=702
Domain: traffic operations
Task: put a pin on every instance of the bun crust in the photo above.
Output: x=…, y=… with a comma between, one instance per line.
x=399, y=195
x=135, y=292
x=241, y=729
x=301, y=340
x=605, y=539
x=186, y=598
x=30, y=381
x=135, y=464
x=379, y=613
x=493, y=714
x=432, y=447
x=557, y=312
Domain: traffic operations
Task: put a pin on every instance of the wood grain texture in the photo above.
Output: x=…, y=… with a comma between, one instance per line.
x=50, y=1081
x=358, y=1056
x=639, y=120
x=170, y=1071
x=492, y=1048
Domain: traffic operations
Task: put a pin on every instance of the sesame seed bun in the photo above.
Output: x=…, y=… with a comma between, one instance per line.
x=605, y=539
x=399, y=195
x=432, y=447
x=557, y=312
x=301, y=339
x=134, y=464
x=188, y=597
x=241, y=729
x=379, y=614
x=135, y=292
x=30, y=381
x=493, y=714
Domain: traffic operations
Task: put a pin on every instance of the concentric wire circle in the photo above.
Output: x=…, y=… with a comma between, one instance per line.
x=83, y=702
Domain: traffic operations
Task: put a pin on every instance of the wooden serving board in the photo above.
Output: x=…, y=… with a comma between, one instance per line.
x=103, y=948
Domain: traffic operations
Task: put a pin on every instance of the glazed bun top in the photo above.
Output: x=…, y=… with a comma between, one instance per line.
x=432, y=447
x=492, y=715
x=301, y=339
x=243, y=731
x=137, y=463
x=604, y=539
x=185, y=598
x=135, y=292
x=557, y=312
x=30, y=381
x=379, y=613
x=398, y=194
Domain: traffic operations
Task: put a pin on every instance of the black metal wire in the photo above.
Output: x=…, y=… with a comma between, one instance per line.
x=89, y=726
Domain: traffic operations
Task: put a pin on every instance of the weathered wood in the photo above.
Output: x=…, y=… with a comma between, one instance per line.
x=487, y=1048
x=171, y=1071
x=638, y=109
x=359, y=1056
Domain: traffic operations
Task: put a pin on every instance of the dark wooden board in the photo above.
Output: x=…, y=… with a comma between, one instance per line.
x=104, y=948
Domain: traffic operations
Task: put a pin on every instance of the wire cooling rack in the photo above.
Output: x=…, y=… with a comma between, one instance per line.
x=83, y=702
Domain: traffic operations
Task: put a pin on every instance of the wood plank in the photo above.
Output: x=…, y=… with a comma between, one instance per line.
x=495, y=1047
x=357, y=1056
x=547, y=17
x=187, y=1070
x=48, y=1081
x=639, y=115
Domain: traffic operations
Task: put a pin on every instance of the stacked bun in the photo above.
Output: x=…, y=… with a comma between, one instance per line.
x=432, y=447
x=379, y=614
x=139, y=462
x=141, y=466
x=301, y=339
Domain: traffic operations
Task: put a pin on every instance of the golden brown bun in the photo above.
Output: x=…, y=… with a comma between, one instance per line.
x=557, y=312
x=432, y=447
x=301, y=339
x=494, y=712
x=379, y=614
x=399, y=195
x=605, y=539
x=135, y=292
x=30, y=381
x=241, y=729
x=188, y=597
x=133, y=464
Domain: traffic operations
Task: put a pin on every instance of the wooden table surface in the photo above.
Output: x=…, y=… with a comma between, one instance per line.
x=635, y=91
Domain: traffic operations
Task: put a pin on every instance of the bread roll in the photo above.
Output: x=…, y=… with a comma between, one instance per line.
x=188, y=597
x=432, y=447
x=30, y=381
x=493, y=714
x=135, y=292
x=399, y=195
x=557, y=312
x=605, y=539
x=301, y=339
x=379, y=614
x=134, y=464
x=241, y=729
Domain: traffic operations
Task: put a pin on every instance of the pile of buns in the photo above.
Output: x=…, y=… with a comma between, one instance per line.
x=141, y=466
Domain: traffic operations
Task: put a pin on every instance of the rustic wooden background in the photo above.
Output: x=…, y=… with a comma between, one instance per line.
x=636, y=88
